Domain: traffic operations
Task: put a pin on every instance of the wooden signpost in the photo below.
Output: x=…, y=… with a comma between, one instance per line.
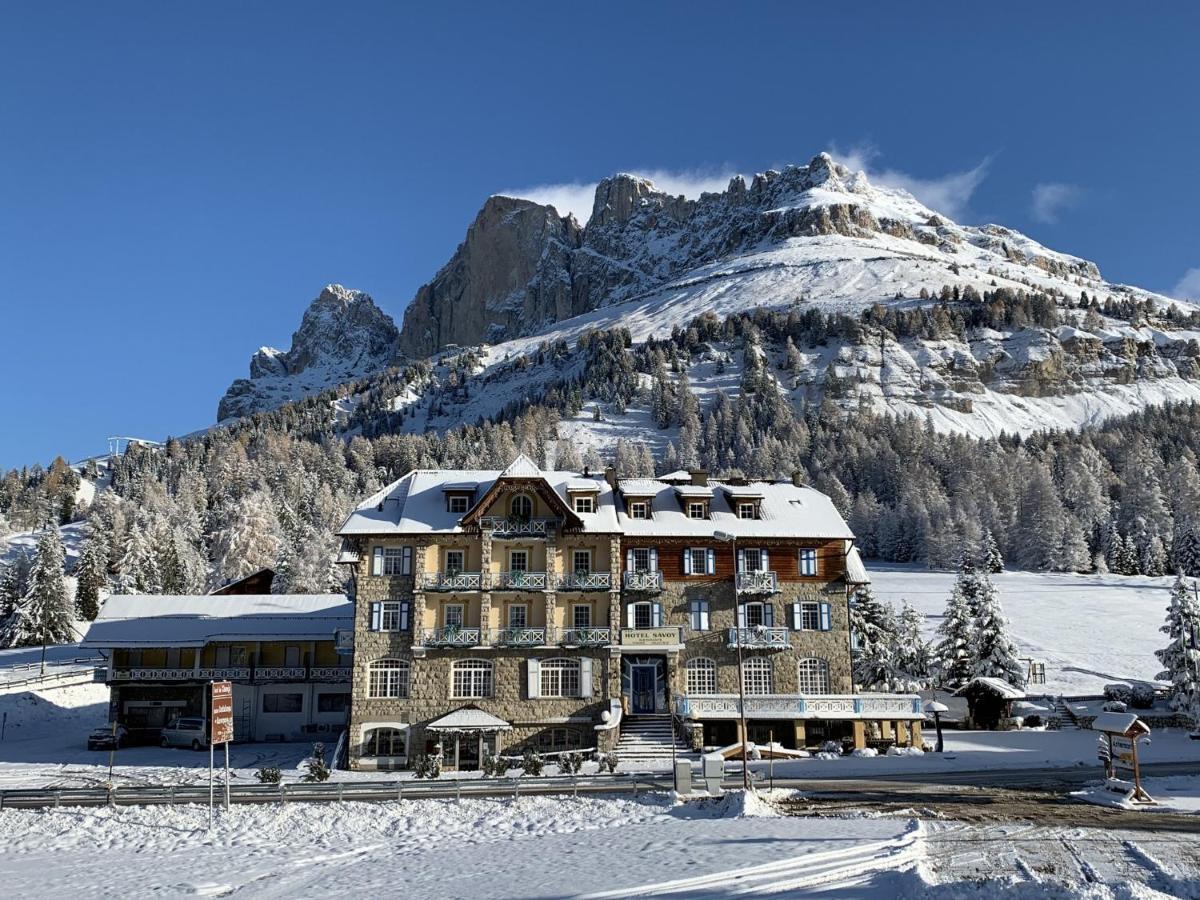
x=220, y=731
x=1121, y=733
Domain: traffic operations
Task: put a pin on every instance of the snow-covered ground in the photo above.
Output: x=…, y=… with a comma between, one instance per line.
x=1171, y=793
x=1089, y=630
x=26, y=662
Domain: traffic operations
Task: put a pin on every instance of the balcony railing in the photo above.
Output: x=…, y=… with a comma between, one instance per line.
x=520, y=581
x=586, y=637
x=757, y=582
x=519, y=637
x=585, y=581
x=450, y=636
x=501, y=527
x=234, y=673
x=330, y=673
x=759, y=637
x=801, y=706
x=453, y=581
x=651, y=582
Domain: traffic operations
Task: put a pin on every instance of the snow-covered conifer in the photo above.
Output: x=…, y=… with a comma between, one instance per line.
x=44, y=614
x=993, y=651
x=1181, y=657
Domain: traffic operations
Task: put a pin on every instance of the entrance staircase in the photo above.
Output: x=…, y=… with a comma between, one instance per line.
x=648, y=738
x=1062, y=718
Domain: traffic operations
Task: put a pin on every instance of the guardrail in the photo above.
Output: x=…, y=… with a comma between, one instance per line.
x=53, y=679
x=334, y=791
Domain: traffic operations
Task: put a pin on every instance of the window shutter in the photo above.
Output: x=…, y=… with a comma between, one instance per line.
x=741, y=615
x=629, y=616
x=533, y=671
x=656, y=615
x=769, y=615
x=406, y=560
x=585, y=676
x=405, y=611
x=826, y=617
x=695, y=615
x=377, y=561
x=653, y=559
x=376, y=616
x=712, y=561
x=687, y=560
x=766, y=562
x=704, y=615
x=797, y=618
x=629, y=560
x=741, y=561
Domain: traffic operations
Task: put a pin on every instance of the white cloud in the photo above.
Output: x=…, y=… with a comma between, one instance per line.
x=1189, y=286
x=1052, y=198
x=948, y=194
x=576, y=196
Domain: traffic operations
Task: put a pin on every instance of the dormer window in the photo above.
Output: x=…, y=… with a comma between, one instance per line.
x=522, y=507
x=747, y=511
x=585, y=505
x=697, y=511
x=457, y=503
x=639, y=509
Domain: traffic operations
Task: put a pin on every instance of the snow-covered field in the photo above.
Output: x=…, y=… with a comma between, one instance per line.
x=1089, y=630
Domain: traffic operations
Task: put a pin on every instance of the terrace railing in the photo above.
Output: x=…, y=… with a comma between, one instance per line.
x=450, y=636
x=585, y=581
x=757, y=583
x=759, y=637
x=520, y=581
x=650, y=582
x=453, y=581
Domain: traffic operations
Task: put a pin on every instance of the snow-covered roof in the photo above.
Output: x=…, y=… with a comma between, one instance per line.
x=639, y=487
x=150, y=620
x=1119, y=723
x=415, y=504
x=468, y=718
x=522, y=467
x=856, y=572
x=742, y=490
x=693, y=490
x=459, y=486
x=996, y=685
x=583, y=484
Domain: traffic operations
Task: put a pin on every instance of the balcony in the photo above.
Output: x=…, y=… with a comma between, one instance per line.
x=649, y=582
x=801, y=706
x=586, y=637
x=234, y=673
x=450, y=636
x=585, y=581
x=519, y=637
x=503, y=528
x=520, y=581
x=759, y=637
x=757, y=583
x=453, y=581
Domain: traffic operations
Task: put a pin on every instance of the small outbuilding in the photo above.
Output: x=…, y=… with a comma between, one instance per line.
x=989, y=700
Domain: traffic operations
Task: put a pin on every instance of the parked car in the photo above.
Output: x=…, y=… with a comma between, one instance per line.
x=186, y=731
x=107, y=738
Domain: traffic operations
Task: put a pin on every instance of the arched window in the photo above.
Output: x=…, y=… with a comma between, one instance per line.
x=757, y=677
x=560, y=678
x=388, y=678
x=471, y=678
x=701, y=676
x=813, y=675
x=522, y=507
x=385, y=742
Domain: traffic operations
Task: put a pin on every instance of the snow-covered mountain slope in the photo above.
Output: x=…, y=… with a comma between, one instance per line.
x=814, y=237
x=343, y=336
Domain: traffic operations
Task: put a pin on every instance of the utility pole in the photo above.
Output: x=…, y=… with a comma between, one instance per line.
x=737, y=632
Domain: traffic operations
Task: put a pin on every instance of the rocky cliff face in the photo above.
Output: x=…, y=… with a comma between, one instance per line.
x=343, y=336
x=523, y=267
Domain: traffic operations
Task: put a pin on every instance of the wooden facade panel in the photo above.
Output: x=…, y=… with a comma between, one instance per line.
x=784, y=557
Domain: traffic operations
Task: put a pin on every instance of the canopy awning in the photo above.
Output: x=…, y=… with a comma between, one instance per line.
x=468, y=718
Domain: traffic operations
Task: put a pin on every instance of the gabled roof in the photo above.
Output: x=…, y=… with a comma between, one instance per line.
x=150, y=620
x=1120, y=723
x=521, y=467
x=693, y=490
x=996, y=685
x=639, y=487
x=468, y=718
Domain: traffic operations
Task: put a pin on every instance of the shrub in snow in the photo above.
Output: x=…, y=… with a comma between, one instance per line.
x=1115, y=706
x=570, y=763
x=269, y=775
x=608, y=762
x=1033, y=721
x=1119, y=692
x=832, y=747
x=427, y=765
x=493, y=766
x=825, y=754
x=531, y=764
x=864, y=752
x=317, y=768
x=1142, y=696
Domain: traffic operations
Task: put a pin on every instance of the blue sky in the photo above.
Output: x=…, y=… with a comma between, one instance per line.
x=178, y=181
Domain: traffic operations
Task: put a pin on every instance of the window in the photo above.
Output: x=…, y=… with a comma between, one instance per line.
x=291, y=657
x=388, y=679
x=393, y=559
x=808, y=561
x=813, y=676
x=641, y=559
x=333, y=703
x=699, y=561
x=386, y=742
x=173, y=657
x=282, y=703
x=639, y=509
x=522, y=507
x=581, y=561
x=472, y=678
x=756, y=614
x=518, y=616
x=697, y=511
x=701, y=676
x=560, y=678
x=752, y=560
x=392, y=615
x=584, y=505
x=556, y=740
x=699, y=615
x=581, y=615
x=810, y=616
x=814, y=617
x=518, y=560
x=134, y=657
x=452, y=615
x=746, y=511
x=456, y=561
x=643, y=615
x=229, y=656
x=757, y=678
x=457, y=503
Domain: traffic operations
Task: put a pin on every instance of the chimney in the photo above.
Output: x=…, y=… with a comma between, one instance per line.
x=699, y=477
x=798, y=478
x=610, y=475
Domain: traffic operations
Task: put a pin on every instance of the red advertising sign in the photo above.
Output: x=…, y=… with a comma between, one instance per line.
x=221, y=712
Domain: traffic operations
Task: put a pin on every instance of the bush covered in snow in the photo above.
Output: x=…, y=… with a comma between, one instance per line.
x=269, y=775
x=532, y=764
x=427, y=765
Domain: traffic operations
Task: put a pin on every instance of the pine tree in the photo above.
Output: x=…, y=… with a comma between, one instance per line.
x=954, y=654
x=993, y=651
x=993, y=562
x=138, y=568
x=44, y=614
x=873, y=625
x=248, y=538
x=1181, y=657
x=913, y=655
x=90, y=578
x=14, y=583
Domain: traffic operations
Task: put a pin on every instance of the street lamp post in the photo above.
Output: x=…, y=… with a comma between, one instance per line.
x=933, y=706
x=737, y=631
